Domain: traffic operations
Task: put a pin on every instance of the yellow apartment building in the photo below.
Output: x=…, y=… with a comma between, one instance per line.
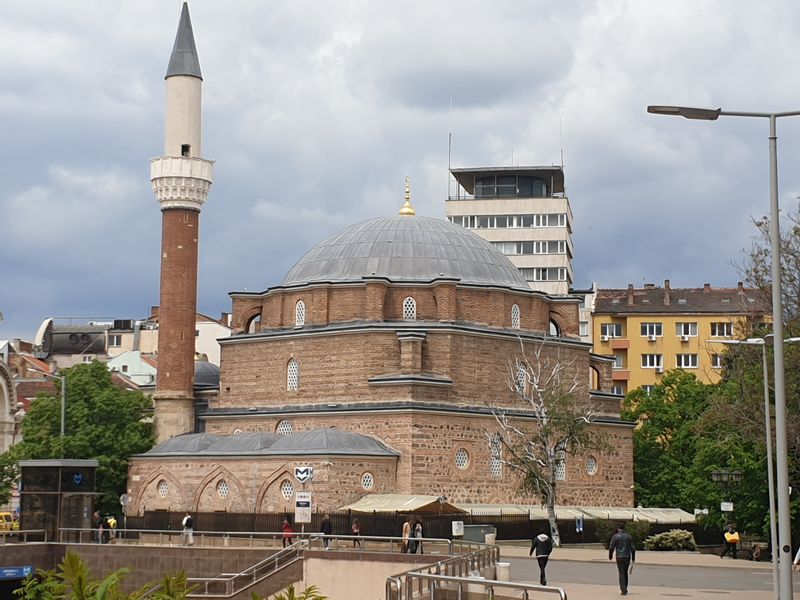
x=651, y=330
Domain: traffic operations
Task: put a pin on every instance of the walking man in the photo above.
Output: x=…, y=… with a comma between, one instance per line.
x=541, y=547
x=187, y=536
x=327, y=529
x=622, y=544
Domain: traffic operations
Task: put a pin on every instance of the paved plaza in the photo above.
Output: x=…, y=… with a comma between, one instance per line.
x=586, y=573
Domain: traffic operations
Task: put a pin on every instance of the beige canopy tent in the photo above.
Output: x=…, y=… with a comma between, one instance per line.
x=403, y=503
x=654, y=515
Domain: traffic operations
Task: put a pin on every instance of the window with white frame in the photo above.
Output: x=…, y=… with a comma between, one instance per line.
x=612, y=330
x=686, y=361
x=716, y=361
x=367, y=481
x=618, y=389
x=284, y=428
x=544, y=274
x=583, y=328
x=496, y=460
x=114, y=340
x=462, y=458
x=223, y=489
x=561, y=465
x=721, y=329
x=652, y=361
x=292, y=375
x=648, y=389
x=409, y=309
x=618, y=361
x=515, y=316
x=689, y=329
x=649, y=329
x=299, y=314
x=287, y=489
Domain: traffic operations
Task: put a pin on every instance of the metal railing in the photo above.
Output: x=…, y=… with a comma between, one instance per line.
x=23, y=536
x=425, y=585
x=226, y=585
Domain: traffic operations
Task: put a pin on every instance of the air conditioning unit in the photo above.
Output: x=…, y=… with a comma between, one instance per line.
x=684, y=338
x=659, y=369
x=603, y=338
x=651, y=338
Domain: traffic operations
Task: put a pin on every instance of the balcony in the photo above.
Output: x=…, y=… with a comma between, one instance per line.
x=620, y=344
x=620, y=375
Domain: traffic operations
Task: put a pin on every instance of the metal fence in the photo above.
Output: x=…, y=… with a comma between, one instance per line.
x=509, y=526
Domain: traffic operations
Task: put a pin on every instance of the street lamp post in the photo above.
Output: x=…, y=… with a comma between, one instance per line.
x=63, y=380
x=781, y=438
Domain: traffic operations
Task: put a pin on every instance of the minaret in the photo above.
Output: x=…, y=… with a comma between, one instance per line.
x=181, y=181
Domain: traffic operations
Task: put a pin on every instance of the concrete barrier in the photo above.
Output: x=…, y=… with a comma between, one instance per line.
x=489, y=539
x=503, y=571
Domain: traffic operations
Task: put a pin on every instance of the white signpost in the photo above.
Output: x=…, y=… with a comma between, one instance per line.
x=726, y=506
x=302, y=507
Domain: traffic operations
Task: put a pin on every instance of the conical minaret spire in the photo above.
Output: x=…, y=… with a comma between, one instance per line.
x=181, y=182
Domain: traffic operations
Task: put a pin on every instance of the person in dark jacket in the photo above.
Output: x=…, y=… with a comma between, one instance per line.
x=622, y=544
x=326, y=529
x=541, y=547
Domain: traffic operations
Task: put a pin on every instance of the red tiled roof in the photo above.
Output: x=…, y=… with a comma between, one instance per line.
x=660, y=300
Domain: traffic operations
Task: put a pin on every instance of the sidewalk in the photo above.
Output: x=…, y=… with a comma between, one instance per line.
x=579, y=591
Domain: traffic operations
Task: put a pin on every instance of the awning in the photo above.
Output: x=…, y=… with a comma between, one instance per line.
x=616, y=513
x=403, y=503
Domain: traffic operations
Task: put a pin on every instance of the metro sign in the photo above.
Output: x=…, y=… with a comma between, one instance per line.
x=304, y=474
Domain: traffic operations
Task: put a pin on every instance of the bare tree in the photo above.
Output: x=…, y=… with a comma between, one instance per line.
x=756, y=265
x=554, y=393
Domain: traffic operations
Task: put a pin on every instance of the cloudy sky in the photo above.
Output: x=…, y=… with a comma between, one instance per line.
x=315, y=111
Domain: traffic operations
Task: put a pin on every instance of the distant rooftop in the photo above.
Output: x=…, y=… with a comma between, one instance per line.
x=652, y=299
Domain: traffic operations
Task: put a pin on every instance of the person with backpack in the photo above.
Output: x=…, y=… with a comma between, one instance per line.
x=187, y=536
x=541, y=547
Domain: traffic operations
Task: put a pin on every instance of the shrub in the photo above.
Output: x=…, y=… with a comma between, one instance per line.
x=674, y=539
x=638, y=530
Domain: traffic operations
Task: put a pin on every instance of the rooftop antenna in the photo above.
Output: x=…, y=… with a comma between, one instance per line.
x=561, y=143
x=449, y=143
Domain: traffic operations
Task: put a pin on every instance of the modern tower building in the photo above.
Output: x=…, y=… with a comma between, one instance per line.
x=525, y=214
x=181, y=182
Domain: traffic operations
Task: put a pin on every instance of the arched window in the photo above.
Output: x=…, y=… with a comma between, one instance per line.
x=561, y=465
x=496, y=457
x=409, y=309
x=292, y=375
x=555, y=330
x=515, y=316
x=254, y=324
x=284, y=428
x=522, y=376
x=299, y=314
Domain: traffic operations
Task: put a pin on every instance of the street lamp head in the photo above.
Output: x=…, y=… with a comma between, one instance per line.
x=687, y=112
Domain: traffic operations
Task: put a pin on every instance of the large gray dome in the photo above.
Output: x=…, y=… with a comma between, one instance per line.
x=405, y=248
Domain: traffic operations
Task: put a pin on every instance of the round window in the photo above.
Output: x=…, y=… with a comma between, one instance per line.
x=163, y=488
x=237, y=431
x=367, y=481
x=284, y=428
x=223, y=488
x=287, y=489
x=591, y=465
x=462, y=458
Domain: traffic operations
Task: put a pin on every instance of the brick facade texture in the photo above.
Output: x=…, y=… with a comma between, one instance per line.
x=352, y=335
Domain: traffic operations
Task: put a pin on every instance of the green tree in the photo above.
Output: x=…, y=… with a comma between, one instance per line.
x=102, y=422
x=555, y=393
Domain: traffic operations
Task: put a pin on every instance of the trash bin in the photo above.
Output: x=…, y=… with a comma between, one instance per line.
x=503, y=571
x=489, y=538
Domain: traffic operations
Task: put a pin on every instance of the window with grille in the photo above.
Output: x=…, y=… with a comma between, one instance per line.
x=591, y=465
x=163, y=488
x=521, y=377
x=409, y=309
x=515, y=316
x=496, y=460
x=462, y=458
x=367, y=481
x=237, y=431
x=299, y=314
x=287, y=489
x=284, y=428
x=561, y=465
x=292, y=376
x=223, y=488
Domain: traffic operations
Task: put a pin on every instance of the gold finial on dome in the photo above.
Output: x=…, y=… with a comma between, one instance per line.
x=407, y=209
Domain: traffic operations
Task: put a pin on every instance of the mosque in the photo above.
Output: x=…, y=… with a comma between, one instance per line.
x=373, y=362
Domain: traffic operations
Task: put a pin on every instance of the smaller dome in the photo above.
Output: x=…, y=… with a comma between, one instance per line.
x=206, y=374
